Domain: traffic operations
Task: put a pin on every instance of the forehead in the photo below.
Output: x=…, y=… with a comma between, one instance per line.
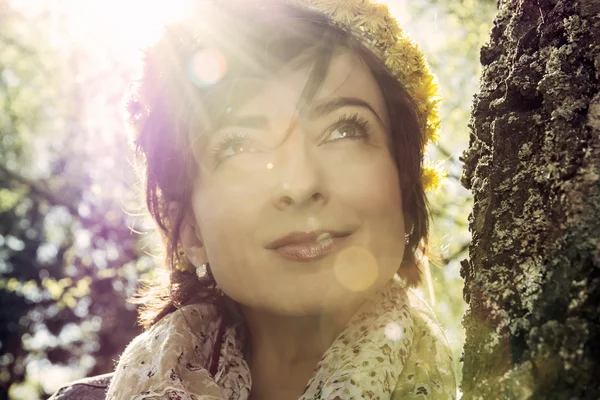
x=280, y=94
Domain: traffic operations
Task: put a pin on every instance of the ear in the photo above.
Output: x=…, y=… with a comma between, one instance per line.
x=189, y=234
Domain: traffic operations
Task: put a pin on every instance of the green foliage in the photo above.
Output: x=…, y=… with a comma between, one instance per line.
x=451, y=34
x=67, y=254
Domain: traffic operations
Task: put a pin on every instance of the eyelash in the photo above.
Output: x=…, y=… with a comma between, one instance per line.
x=361, y=123
x=229, y=140
x=355, y=120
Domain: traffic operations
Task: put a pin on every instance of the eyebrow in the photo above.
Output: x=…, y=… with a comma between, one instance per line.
x=332, y=105
x=320, y=110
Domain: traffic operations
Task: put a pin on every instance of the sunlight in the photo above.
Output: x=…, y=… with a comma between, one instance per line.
x=123, y=23
x=133, y=24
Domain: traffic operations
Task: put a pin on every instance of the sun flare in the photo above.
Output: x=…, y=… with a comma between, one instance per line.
x=123, y=23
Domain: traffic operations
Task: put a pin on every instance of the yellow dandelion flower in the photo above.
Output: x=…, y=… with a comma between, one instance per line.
x=341, y=12
x=433, y=175
x=342, y=9
x=344, y=17
x=415, y=62
x=432, y=110
x=394, y=61
x=389, y=33
x=432, y=130
x=427, y=78
x=393, y=26
x=387, y=36
x=420, y=92
x=397, y=54
x=434, y=91
x=373, y=17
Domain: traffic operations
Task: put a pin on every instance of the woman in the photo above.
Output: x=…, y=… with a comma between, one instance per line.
x=283, y=145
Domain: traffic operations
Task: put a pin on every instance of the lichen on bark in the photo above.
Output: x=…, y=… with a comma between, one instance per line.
x=532, y=280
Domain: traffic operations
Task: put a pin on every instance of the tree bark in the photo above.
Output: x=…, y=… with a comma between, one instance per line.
x=532, y=281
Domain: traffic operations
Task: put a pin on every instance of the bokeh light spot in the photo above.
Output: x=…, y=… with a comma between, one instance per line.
x=270, y=166
x=207, y=67
x=356, y=268
x=393, y=331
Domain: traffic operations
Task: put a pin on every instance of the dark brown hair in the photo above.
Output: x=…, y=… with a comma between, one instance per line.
x=254, y=42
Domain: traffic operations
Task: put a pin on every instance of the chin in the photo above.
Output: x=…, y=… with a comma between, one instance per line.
x=336, y=300
x=296, y=295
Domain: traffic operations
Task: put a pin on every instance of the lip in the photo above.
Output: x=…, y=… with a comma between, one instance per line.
x=307, y=246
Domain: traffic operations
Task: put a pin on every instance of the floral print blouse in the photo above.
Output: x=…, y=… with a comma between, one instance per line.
x=392, y=348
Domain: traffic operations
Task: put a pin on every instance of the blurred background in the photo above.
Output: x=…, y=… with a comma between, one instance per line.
x=74, y=239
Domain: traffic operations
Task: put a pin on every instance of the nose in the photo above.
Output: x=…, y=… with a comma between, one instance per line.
x=300, y=180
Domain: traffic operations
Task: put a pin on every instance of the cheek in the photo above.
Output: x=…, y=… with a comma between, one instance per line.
x=372, y=187
x=223, y=214
x=372, y=191
x=229, y=219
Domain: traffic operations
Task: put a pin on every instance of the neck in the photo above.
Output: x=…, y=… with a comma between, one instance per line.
x=288, y=341
x=284, y=342
x=284, y=350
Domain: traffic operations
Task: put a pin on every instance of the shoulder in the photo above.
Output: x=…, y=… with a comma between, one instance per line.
x=429, y=369
x=93, y=388
x=424, y=319
x=176, y=349
x=191, y=323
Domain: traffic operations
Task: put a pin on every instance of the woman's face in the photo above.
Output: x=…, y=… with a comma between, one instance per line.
x=322, y=174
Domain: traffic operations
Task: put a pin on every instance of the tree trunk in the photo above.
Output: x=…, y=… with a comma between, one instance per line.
x=532, y=280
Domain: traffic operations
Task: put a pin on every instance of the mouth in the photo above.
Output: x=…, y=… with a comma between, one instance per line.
x=308, y=246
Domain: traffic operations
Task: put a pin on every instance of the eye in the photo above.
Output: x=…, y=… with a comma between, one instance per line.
x=349, y=127
x=345, y=131
x=232, y=144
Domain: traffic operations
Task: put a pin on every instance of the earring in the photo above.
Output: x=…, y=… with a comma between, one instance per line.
x=406, y=238
x=202, y=271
